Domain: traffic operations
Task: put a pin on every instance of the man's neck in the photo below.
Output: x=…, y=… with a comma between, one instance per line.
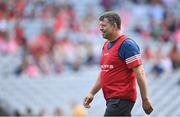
x=115, y=36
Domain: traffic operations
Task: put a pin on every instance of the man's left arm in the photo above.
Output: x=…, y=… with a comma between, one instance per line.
x=129, y=51
x=141, y=80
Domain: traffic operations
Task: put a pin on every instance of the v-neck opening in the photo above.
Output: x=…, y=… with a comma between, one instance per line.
x=108, y=49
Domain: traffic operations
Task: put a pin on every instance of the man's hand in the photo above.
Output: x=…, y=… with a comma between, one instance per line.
x=147, y=106
x=87, y=100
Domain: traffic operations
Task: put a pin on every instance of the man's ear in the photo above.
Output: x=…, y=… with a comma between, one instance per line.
x=115, y=25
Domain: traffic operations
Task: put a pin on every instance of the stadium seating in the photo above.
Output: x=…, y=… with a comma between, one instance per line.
x=60, y=90
x=53, y=90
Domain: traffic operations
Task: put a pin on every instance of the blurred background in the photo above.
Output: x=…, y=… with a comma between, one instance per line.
x=50, y=50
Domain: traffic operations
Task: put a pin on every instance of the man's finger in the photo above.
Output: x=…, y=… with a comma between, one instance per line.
x=86, y=100
x=87, y=106
x=148, y=111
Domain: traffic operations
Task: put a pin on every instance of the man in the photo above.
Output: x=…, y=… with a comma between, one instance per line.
x=121, y=65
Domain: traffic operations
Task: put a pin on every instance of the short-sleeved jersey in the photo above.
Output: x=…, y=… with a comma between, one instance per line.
x=117, y=77
x=129, y=51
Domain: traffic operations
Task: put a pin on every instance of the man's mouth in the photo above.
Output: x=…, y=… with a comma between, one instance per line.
x=104, y=34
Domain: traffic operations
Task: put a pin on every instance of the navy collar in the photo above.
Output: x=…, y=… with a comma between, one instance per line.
x=115, y=39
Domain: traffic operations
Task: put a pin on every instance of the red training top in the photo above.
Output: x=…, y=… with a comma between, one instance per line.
x=117, y=78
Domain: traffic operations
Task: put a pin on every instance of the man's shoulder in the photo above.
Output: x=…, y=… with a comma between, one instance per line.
x=129, y=41
x=129, y=44
x=128, y=48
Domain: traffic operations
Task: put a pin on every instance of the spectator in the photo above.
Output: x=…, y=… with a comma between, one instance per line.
x=28, y=112
x=175, y=57
x=28, y=67
x=17, y=113
x=163, y=64
x=58, y=112
x=7, y=43
x=148, y=53
x=43, y=112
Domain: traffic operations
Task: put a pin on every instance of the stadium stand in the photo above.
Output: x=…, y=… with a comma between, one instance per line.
x=50, y=49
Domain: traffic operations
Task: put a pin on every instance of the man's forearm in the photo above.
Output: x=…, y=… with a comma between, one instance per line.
x=96, y=87
x=141, y=79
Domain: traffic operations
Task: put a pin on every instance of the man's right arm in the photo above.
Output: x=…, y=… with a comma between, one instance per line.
x=96, y=87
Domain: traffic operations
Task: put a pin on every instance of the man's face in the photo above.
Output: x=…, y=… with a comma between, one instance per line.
x=106, y=28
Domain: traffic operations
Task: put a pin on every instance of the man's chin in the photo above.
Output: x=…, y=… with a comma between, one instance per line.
x=104, y=36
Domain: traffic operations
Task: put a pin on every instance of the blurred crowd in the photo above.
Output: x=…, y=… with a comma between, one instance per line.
x=49, y=35
x=162, y=27
x=53, y=37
